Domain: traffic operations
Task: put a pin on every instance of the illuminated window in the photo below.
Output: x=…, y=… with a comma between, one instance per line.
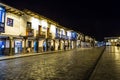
x=29, y=25
x=2, y=14
x=52, y=29
x=9, y=22
x=44, y=24
x=29, y=31
x=2, y=18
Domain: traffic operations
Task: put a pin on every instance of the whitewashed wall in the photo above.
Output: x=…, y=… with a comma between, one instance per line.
x=19, y=25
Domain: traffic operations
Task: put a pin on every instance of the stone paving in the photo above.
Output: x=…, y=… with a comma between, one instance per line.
x=108, y=67
x=68, y=65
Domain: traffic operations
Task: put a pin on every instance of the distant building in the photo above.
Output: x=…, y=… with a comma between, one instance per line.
x=112, y=41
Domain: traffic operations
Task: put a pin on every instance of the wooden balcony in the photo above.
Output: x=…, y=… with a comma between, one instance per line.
x=29, y=32
x=41, y=35
x=57, y=36
x=49, y=36
x=64, y=37
x=67, y=38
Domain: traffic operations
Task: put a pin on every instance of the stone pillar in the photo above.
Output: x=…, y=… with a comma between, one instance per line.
x=64, y=45
x=80, y=44
x=69, y=45
x=37, y=40
x=75, y=44
x=36, y=45
x=59, y=44
x=46, y=45
x=10, y=45
x=25, y=49
x=54, y=44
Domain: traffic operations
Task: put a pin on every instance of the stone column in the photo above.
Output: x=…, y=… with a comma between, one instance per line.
x=70, y=44
x=59, y=44
x=64, y=45
x=75, y=44
x=37, y=42
x=54, y=44
x=25, y=49
x=10, y=45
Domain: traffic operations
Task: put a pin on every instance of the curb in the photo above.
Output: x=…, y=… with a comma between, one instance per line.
x=88, y=76
x=32, y=54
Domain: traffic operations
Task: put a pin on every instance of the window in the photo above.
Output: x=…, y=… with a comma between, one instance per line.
x=9, y=22
x=2, y=14
x=29, y=25
x=29, y=44
x=73, y=35
x=2, y=19
x=29, y=30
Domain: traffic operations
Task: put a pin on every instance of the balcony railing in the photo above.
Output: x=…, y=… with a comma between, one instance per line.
x=62, y=36
x=29, y=32
x=50, y=35
x=57, y=36
x=87, y=40
x=73, y=38
x=2, y=27
x=42, y=34
x=67, y=37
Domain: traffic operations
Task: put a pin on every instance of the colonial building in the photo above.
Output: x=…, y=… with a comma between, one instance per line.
x=112, y=41
x=26, y=32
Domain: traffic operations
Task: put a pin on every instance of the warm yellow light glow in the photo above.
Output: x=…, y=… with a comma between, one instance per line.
x=52, y=28
x=62, y=30
x=68, y=33
x=44, y=24
x=96, y=41
x=115, y=40
x=112, y=40
x=35, y=23
x=86, y=37
x=108, y=40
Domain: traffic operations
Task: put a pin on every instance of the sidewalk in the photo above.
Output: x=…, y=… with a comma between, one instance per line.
x=31, y=54
x=108, y=68
x=26, y=55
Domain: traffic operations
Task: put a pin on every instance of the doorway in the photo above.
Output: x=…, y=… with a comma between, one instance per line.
x=44, y=46
x=2, y=47
x=35, y=46
x=18, y=46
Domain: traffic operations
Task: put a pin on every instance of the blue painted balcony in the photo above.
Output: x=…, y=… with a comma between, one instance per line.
x=57, y=36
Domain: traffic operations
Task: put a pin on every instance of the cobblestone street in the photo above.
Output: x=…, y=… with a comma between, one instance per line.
x=68, y=65
x=108, y=67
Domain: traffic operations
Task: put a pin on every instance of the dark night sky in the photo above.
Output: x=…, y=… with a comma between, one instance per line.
x=96, y=19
